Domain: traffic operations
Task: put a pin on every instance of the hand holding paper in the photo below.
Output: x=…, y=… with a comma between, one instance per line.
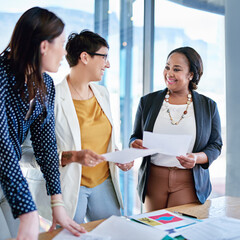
x=173, y=145
x=168, y=144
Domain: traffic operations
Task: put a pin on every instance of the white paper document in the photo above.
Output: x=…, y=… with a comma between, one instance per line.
x=66, y=235
x=221, y=228
x=172, y=145
x=119, y=228
x=128, y=155
x=168, y=144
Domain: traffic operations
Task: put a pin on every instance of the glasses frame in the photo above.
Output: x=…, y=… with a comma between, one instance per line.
x=99, y=54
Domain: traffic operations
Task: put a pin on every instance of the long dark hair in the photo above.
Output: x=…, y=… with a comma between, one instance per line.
x=33, y=27
x=195, y=64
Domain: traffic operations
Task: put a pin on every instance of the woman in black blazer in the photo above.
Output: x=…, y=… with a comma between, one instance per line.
x=166, y=181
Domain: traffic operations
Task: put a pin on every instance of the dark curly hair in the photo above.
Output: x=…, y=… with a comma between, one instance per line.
x=85, y=41
x=195, y=64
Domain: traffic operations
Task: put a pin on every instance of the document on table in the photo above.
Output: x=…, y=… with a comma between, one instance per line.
x=172, y=145
x=168, y=144
x=213, y=228
x=119, y=228
x=165, y=220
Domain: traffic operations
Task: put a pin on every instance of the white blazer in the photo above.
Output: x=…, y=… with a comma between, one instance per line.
x=68, y=139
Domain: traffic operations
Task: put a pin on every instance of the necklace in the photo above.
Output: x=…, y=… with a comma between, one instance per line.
x=189, y=97
x=81, y=98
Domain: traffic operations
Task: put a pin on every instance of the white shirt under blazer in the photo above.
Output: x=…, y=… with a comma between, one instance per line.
x=68, y=137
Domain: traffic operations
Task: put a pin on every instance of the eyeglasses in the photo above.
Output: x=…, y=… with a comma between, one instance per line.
x=105, y=56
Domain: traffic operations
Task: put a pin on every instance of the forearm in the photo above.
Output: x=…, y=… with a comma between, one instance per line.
x=67, y=157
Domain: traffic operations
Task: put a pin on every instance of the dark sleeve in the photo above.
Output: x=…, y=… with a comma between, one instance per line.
x=44, y=144
x=138, y=123
x=13, y=183
x=214, y=145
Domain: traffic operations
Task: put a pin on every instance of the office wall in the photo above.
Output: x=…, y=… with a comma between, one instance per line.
x=232, y=37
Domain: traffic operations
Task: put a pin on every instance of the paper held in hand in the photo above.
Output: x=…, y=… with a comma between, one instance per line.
x=173, y=145
x=168, y=144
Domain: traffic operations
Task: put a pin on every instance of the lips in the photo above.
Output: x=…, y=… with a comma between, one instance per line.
x=171, y=81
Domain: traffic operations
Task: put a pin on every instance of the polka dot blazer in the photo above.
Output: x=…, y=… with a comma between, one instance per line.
x=16, y=118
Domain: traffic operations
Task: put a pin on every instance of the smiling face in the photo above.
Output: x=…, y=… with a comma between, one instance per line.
x=52, y=53
x=176, y=73
x=98, y=64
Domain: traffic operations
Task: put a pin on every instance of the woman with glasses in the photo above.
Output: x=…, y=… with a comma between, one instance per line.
x=84, y=121
x=27, y=104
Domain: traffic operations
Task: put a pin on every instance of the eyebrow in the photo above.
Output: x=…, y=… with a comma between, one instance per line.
x=175, y=65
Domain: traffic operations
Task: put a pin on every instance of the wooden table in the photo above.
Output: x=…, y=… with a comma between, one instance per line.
x=217, y=207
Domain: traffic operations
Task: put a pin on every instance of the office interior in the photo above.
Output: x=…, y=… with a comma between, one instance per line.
x=141, y=33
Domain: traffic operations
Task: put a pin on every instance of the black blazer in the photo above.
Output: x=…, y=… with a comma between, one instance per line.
x=208, y=137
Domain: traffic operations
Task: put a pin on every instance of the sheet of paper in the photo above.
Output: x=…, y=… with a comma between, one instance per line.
x=119, y=228
x=66, y=235
x=165, y=220
x=128, y=155
x=213, y=228
x=173, y=145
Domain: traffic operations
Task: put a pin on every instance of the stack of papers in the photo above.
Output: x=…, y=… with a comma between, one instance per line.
x=160, y=225
x=119, y=228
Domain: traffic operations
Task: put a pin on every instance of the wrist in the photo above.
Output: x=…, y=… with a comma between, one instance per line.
x=56, y=201
x=67, y=157
x=56, y=197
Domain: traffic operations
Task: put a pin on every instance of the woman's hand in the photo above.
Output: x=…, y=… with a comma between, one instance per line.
x=188, y=161
x=85, y=157
x=60, y=217
x=138, y=143
x=29, y=226
x=125, y=166
x=88, y=158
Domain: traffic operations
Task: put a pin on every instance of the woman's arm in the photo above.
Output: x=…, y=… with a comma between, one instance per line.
x=213, y=146
x=45, y=149
x=85, y=157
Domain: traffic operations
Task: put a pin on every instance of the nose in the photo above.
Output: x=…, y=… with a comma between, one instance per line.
x=107, y=64
x=170, y=73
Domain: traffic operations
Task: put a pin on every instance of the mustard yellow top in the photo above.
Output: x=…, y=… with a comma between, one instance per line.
x=95, y=135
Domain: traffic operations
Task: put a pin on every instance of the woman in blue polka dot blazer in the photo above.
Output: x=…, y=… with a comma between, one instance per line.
x=27, y=104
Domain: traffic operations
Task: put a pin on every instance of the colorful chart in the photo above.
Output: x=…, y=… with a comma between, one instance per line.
x=166, y=218
x=149, y=221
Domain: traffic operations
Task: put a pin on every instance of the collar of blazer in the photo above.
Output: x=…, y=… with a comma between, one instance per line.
x=64, y=98
x=155, y=108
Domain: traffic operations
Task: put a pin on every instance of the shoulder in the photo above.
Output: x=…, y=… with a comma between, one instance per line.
x=61, y=88
x=154, y=96
x=99, y=89
x=49, y=83
x=202, y=99
x=61, y=85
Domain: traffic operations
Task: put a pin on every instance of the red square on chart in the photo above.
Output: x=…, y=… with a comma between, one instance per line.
x=166, y=218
